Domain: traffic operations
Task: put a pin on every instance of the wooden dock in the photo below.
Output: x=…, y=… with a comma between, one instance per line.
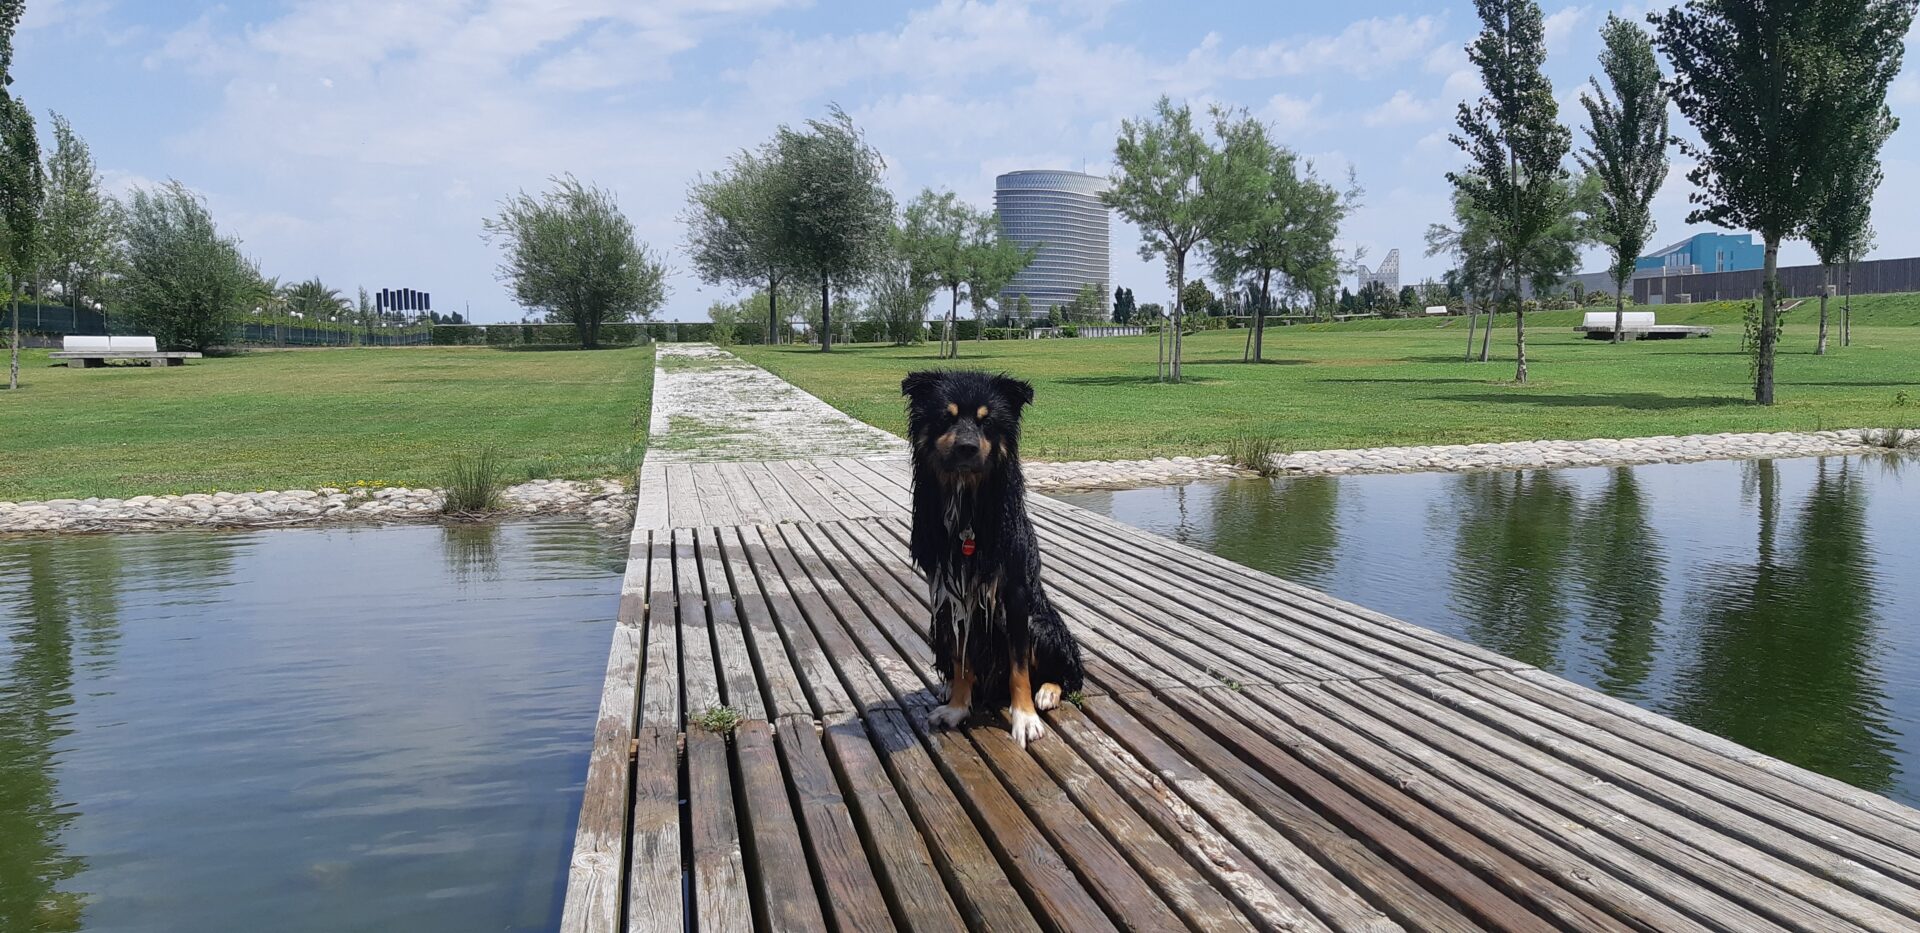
x=1249, y=754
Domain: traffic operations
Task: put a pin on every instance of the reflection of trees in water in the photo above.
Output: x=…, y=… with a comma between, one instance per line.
x=49, y=587
x=1511, y=550
x=471, y=551
x=1785, y=655
x=1285, y=527
x=1620, y=565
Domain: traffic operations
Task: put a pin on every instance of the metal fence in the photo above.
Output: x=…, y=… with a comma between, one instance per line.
x=44, y=324
x=1872, y=277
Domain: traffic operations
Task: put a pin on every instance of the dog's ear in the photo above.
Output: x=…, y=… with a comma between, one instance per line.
x=918, y=385
x=1019, y=391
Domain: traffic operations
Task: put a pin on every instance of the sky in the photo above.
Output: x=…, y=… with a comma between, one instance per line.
x=363, y=141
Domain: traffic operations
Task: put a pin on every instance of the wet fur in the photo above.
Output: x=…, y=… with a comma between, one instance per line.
x=995, y=595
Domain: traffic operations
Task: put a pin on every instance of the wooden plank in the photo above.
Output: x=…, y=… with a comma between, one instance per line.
x=1227, y=869
x=785, y=898
x=1502, y=892
x=849, y=890
x=654, y=878
x=683, y=498
x=814, y=507
x=843, y=500
x=813, y=669
x=1866, y=866
x=739, y=688
x=1864, y=811
x=1331, y=899
x=749, y=507
x=650, y=497
x=716, y=496
x=600, y=841
x=881, y=497
x=720, y=891
x=1706, y=859
x=1348, y=856
x=699, y=678
x=979, y=887
x=660, y=685
x=1406, y=767
x=781, y=505
x=909, y=877
x=841, y=654
x=780, y=684
x=1092, y=838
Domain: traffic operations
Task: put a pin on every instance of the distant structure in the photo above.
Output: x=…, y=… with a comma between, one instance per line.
x=1061, y=213
x=404, y=300
x=1388, y=274
x=1700, y=254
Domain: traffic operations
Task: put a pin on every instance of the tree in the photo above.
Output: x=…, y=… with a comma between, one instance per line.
x=363, y=316
x=1842, y=226
x=22, y=186
x=80, y=219
x=1514, y=140
x=899, y=296
x=1170, y=185
x=935, y=240
x=1771, y=88
x=186, y=283
x=732, y=234
x=1627, y=149
x=1195, y=297
x=833, y=216
x=992, y=263
x=571, y=253
x=1122, y=305
x=1483, y=261
x=313, y=299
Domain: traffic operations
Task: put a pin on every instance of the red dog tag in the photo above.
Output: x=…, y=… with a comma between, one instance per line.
x=966, y=544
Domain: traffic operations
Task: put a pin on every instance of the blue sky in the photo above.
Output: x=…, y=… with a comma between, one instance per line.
x=363, y=140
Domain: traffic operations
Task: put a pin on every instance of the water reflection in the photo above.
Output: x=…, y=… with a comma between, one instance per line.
x=297, y=729
x=1756, y=600
x=1786, y=644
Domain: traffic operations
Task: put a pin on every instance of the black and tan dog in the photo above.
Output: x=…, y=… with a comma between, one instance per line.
x=997, y=641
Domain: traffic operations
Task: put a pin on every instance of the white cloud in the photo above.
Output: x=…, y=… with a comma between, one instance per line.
x=1561, y=24
x=1292, y=115
x=1362, y=48
x=1404, y=108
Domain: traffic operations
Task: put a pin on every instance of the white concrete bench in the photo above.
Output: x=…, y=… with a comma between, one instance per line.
x=86, y=352
x=1598, y=325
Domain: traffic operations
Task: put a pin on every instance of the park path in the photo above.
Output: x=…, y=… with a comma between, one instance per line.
x=710, y=405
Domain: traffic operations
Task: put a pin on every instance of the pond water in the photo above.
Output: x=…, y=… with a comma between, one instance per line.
x=1776, y=603
x=325, y=730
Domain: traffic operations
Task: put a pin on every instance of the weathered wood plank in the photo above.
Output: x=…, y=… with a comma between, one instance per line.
x=785, y=896
x=660, y=684
x=655, y=902
x=780, y=504
x=739, y=688
x=780, y=684
x=650, y=498
x=849, y=890
x=600, y=842
x=717, y=495
x=699, y=678
x=749, y=506
x=683, y=497
x=812, y=667
x=720, y=890
x=909, y=876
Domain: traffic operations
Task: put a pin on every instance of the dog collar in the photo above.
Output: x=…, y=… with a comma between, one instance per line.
x=966, y=543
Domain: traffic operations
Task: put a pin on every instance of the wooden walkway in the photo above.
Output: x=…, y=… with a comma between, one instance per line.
x=1249, y=754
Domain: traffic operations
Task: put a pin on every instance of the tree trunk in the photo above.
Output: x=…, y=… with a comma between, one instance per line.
x=1486, y=333
x=1473, y=317
x=1846, y=307
x=1160, y=351
x=950, y=338
x=13, y=346
x=1260, y=314
x=1769, y=312
x=1519, y=330
x=1619, y=313
x=826, y=316
x=1179, y=313
x=773, y=311
x=1826, y=277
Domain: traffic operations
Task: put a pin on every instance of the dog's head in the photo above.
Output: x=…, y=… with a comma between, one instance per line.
x=964, y=423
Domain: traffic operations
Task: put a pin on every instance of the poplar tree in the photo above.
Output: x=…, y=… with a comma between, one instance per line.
x=1626, y=149
x=22, y=186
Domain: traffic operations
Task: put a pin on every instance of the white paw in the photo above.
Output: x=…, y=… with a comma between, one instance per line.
x=1047, y=697
x=1027, y=727
x=947, y=717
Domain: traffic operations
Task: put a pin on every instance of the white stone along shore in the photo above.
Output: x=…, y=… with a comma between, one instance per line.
x=608, y=504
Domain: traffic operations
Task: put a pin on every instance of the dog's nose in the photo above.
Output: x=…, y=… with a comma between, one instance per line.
x=966, y=450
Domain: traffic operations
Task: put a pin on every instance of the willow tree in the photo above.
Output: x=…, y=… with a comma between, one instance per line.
x=732, y=234
x=934, y=237
x=1626, y=149
x=1775, y=90
x=832, y=217
x=1514, y=141
x=571, y=253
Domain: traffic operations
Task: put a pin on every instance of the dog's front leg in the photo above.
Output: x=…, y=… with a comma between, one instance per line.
x=1022, y=719
x=959, y=698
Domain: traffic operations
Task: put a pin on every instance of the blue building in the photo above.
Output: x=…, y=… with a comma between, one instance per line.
x=1703, y=252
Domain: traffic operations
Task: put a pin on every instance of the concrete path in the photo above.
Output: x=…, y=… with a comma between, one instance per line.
x=711, y=405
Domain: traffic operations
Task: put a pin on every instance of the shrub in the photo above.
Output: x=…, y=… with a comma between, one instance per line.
x=1256, y=452
x=1069, y=330
x=474, y=483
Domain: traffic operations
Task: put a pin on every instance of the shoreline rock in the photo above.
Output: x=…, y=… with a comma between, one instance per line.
x=608, y=504
x=1454, y=458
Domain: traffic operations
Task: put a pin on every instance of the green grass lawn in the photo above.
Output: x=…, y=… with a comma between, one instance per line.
x=303, y=419
x=1398, y=382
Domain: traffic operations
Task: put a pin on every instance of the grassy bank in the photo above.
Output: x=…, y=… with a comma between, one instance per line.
x=1376, y=383
x=301, y=419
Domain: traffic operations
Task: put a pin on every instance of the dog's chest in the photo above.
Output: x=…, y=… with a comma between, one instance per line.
x=965, y=585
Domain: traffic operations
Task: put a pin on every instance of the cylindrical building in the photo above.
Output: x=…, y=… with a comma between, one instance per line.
x=1061, y=213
